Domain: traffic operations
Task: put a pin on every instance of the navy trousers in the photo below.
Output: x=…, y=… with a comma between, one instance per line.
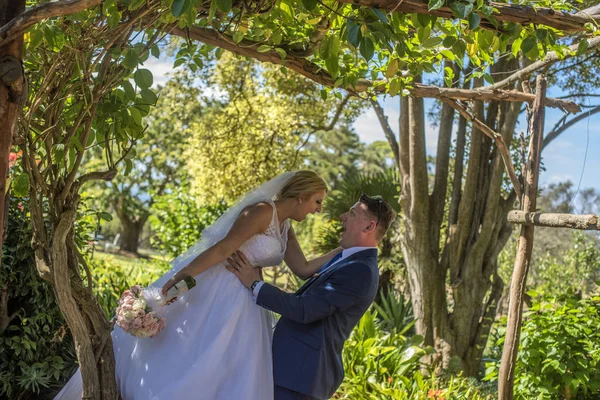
x=282, y=393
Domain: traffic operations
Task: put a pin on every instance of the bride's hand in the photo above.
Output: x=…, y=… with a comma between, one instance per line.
x=170, y=283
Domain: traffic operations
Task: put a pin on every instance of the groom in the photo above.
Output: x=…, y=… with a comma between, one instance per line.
x=317, y=319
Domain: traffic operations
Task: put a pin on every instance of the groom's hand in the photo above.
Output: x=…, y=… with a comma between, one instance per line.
x=246, y=273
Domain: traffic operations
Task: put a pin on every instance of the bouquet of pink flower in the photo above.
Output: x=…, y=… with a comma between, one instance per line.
x=134, y=314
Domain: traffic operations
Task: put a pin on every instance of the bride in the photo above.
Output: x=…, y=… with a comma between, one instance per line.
x=217, y=342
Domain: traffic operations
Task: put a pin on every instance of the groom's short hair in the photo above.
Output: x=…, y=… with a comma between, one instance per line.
x=381, y=210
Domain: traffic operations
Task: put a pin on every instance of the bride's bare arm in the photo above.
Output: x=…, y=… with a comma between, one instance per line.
x=252, y=221
x=297, y=262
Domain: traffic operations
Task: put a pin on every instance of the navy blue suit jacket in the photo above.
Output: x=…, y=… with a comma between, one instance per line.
x=316, y=321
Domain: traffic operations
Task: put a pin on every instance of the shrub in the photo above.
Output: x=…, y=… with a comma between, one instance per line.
x=178, y=221
x=559, y=354
x=36, y=348
x=382, y=365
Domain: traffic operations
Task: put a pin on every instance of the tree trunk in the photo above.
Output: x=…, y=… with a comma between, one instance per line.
x=12, y=88
x=525, y=247
x=130, y=238
x=453, y=277
x=85, y=318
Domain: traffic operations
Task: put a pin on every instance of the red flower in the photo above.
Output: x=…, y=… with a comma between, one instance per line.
x=20, y=206
x=13, y=157
x=436, y=394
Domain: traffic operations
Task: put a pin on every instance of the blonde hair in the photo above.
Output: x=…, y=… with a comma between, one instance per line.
x=303, y=183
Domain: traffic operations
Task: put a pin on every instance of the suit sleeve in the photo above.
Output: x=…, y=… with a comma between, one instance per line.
x=342, y=289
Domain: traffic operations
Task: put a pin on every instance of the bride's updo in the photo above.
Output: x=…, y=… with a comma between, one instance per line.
x=303, y=183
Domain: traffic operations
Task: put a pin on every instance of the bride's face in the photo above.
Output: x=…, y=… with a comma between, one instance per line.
x=310, y=205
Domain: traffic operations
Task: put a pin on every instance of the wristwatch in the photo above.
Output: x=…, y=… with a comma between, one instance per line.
x=254, y=285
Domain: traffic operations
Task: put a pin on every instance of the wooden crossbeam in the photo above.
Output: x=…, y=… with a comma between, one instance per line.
x=520, y=14
x=314, y=72
x=40, y=12
x=552, y=220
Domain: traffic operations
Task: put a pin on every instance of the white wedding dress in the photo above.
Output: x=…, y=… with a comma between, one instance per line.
x=217, y=342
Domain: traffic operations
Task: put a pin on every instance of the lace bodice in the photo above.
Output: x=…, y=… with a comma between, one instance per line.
x=267, y=249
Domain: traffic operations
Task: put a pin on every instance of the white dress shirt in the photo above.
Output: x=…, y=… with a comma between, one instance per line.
x=345, y=254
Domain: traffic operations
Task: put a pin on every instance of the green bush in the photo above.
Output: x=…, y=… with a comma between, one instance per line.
x=178, y=221
x=381, y=365
x=559, y=354
x=395, y=312
x=113, y=275
x=36, y=349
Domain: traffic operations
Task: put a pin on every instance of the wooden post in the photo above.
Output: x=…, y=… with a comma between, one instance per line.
x=12, y=89
x=519, y=277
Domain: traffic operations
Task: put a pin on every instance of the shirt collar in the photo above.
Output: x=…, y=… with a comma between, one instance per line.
x=352, y=250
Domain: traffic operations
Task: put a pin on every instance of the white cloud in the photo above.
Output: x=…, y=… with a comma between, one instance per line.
x=369, y=128
x=160, y=69
x=559, y=178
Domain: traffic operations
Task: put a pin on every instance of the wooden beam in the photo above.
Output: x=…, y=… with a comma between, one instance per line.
x=488, y=94
x=520, y=14
x=572, y=221
x=18, y=25
x=314, y=72
x=525, y=247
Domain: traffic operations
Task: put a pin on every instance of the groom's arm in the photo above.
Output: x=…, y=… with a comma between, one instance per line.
x=342, y=289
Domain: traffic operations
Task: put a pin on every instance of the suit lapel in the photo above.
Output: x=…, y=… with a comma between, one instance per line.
x=335, y=267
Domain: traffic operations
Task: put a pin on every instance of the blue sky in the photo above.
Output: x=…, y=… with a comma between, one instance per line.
x=563, y=158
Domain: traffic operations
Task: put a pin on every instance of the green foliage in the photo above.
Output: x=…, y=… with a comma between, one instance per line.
x=177, y=220
x=256, y=129
x=158, y=161
x=373, y=358
x=112, y=276
x=559, y=354
x=381, y=365
x=346, y=194
x=37, y=351
x=386, y=184
x=353, y=42
x=558, y=269
x=377, y=157
x=574, y=272
x=116, y=116
x=334, y=154
x=396, y=312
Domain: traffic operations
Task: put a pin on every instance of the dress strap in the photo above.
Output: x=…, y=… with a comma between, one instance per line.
x=274, y=225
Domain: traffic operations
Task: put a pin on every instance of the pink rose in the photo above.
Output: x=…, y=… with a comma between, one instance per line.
x=148, y=319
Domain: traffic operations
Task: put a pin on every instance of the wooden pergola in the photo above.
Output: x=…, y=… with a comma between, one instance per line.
x=15, y=20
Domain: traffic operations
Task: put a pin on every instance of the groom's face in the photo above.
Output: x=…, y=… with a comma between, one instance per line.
x=356, y=223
